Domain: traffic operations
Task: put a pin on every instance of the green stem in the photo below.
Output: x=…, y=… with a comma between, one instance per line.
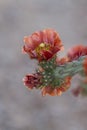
x=70, y=68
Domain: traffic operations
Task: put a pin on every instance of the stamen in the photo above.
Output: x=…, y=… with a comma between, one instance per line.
x=42, y=46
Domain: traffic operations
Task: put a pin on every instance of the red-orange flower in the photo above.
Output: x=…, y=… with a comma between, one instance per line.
x=57, y=90
x=76, y=52
x=42, y=45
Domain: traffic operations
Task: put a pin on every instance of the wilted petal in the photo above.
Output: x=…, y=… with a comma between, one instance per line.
x=32, y=80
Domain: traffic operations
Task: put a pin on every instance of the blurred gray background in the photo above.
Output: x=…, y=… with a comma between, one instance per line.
x=20, y=108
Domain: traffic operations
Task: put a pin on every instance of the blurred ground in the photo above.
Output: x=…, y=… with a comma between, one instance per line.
x=21, y=109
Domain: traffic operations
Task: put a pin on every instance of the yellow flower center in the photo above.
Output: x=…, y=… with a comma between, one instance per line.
x=42, y=46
